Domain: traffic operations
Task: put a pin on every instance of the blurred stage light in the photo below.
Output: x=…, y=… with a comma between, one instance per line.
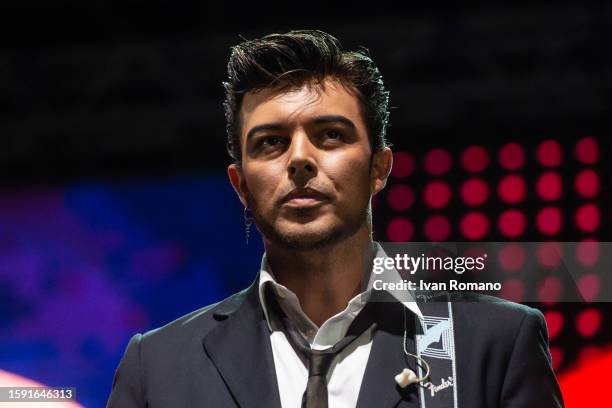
x=474, y=192
x=549, y=186
x=549, y=153
x=511, y=257
x=8, y=379
x=549, y=254
x=549, y=221
x=512, y=156
x=554, y=322
x=474, y=226
x=589, y=286
x=513, y=290
x=400, y=230
x=587, y=183
x=437, y=194
x=475, y=159
x=588, y=322
x=437, y=228
x=557, y=355
x=587, y=252
x=512, y=223
x=588, y=217
x=549, y=290
x=400, y=197
x=512, y=189
x=437, y=162
x=403, y=164
x=587, y=150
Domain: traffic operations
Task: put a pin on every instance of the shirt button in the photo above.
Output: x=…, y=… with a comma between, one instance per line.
x=310, y=332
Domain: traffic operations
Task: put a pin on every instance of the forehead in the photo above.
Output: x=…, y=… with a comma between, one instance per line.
x=291, y=106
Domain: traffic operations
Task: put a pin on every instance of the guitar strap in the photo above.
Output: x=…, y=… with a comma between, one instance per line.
x=436, y=345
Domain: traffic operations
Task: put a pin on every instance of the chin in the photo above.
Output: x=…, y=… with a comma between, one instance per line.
x=322, y=231
x=306, y=237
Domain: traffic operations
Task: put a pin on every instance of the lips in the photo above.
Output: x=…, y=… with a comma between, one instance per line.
x=304, y=198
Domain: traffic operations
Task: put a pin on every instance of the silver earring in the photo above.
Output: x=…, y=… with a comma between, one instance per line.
x=248, y=221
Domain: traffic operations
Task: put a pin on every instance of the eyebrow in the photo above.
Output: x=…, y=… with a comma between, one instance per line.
x=317, y=120
x=334, y=119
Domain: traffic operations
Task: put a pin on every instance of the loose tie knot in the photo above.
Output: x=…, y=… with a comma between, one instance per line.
x=319, y=362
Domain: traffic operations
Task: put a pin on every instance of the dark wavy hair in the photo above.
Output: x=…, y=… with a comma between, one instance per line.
x=301, y=57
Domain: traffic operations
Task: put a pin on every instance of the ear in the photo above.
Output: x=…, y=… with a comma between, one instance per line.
x=238, y=181
x=382, y=162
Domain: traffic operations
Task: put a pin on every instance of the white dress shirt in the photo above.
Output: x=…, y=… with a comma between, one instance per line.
x=347, y=370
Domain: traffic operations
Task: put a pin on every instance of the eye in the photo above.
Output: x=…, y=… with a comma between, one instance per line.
x=271, y=141
x=334, y=134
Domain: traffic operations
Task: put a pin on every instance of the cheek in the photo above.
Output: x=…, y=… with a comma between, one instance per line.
x=349, y=175
x=262, y=183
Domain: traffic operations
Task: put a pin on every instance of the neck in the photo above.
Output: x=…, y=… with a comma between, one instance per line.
x=324, y=279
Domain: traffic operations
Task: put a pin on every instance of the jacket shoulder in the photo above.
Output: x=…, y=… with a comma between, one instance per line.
x=496, y=304
x=497, y=316
x=196, y=323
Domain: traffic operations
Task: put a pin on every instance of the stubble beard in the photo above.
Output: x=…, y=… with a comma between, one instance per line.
x=313, y=240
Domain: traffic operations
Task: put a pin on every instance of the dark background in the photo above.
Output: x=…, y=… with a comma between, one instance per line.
x=120, y=88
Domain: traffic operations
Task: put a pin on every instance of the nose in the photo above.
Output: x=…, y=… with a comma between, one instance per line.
x=302, y=158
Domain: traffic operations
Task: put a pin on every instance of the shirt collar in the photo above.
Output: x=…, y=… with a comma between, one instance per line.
x=289, y=298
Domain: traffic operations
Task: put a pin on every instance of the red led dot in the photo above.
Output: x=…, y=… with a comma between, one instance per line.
x=513, y=290
x=556, y=354
x=550, y=290
x=511, y=189
x=549, y=186
x=474, y=192
x=588, y=322
x=437, y=162
x=511, y=257
x=437, y=194
x=512, y=156
x=400, y=230
x=549, y=254
x=549, y=153
x=437, y=228
x=400, y=197
x=554, y=323
x=587, y=183
x=587, y=252
x=549, y=221
x=587, y=150
x=475, y=159
x=474, y=226
x=588, y=217
x=403, y=164
x=512, y=223
x=589, y=286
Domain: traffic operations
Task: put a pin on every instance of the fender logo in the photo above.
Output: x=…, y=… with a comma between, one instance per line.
x=443, y=385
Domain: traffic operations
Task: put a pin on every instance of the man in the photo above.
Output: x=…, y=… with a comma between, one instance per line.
x=306, y=128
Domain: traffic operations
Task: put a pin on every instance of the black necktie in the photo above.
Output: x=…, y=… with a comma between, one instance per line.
x=319, y=361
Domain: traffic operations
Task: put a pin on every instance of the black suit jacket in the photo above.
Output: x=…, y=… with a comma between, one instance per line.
x=221, y=356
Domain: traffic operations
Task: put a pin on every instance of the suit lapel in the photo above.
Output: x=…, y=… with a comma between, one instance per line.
x=240, y=348
x=387, y=359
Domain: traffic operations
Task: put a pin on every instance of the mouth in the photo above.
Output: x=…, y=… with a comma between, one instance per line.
x=305, y=198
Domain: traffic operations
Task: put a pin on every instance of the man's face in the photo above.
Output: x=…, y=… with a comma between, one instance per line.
x=306, y=164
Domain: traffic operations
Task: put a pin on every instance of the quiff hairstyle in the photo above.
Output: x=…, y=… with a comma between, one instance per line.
x=298, y=58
